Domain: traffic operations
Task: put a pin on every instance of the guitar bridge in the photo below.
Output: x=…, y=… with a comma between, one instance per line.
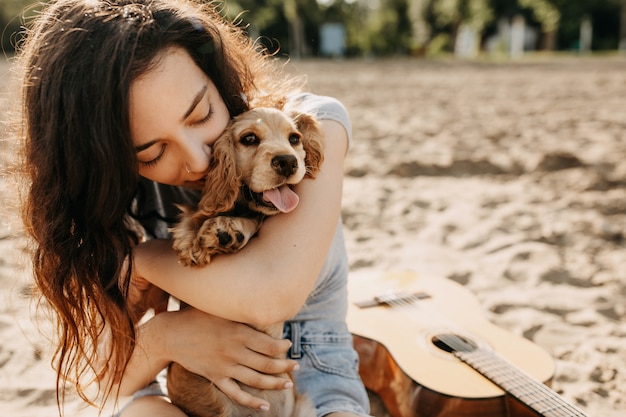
x=392, y=299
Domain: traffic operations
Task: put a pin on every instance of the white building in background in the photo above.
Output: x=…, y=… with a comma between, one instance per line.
x=467, y=43
x=333, y=40
x=513, y=38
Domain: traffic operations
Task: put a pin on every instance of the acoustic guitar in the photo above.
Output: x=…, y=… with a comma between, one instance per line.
x=427, y=351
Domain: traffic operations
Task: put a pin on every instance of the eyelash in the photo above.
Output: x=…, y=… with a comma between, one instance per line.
x=207, y=117
x=154, y=161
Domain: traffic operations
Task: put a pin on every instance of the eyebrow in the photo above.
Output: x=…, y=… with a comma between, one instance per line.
x=195, y=102
x=190, y=110
x=145, y=145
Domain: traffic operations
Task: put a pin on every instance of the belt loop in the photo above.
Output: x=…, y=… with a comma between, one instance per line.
x=296, y=353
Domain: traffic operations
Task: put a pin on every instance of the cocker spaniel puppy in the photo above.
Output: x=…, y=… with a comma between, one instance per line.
x=260, y=156
x=256, y=161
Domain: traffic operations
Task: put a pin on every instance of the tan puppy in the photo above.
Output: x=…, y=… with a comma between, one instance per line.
x=255, y=162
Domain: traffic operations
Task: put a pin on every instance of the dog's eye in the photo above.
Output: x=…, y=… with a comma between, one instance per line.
x=294, y=139
x=249, y=140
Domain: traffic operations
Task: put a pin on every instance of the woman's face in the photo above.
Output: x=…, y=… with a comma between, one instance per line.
x=176, y=114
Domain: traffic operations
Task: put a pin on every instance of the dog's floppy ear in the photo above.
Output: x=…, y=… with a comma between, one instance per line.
x=311, y=141
x=222, y=184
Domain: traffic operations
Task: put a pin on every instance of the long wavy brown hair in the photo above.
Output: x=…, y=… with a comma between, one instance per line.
x=78, y=59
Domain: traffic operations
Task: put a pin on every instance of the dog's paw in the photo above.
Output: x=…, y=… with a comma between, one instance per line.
x=226, y=234
x=220, y=235
x=184, y=243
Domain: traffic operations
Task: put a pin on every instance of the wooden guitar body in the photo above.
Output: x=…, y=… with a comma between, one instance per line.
x=426, y=349
x=403, y=397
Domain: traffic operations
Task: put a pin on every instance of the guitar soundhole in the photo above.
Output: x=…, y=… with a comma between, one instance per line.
x=450, y=342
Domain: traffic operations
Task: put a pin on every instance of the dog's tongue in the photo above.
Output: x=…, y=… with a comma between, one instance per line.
x=284, y=198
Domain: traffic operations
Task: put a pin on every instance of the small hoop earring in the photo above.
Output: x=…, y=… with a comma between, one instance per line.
x=187, y=168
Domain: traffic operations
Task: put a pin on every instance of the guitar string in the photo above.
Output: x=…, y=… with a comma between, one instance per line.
x=555, y=402
x=399, y=300
x=403, y=299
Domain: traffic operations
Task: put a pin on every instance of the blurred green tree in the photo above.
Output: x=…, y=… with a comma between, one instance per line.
x=383, y=27
x=548, y=16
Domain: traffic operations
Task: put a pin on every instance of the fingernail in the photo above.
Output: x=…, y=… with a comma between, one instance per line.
x=288, y=385
x=264, y=408
x=296, y=367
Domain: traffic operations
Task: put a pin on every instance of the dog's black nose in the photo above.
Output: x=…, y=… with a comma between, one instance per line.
x=285, y=165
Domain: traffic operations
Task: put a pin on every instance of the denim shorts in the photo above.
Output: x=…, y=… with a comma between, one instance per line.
x=329, y=366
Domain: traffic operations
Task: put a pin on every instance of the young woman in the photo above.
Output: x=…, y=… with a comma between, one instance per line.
x=121, y=103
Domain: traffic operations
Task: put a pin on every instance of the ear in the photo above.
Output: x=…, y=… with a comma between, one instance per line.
x=311, y=141
x=222, y=184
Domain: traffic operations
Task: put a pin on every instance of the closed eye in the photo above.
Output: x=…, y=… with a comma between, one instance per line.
x=206, y=118
x=156, y=159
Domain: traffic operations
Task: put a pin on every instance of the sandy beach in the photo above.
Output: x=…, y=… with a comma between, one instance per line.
x=508, y=178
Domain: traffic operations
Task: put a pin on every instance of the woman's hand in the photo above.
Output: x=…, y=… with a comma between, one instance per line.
x=142, y=296
x=224, y=352
x=220, y=350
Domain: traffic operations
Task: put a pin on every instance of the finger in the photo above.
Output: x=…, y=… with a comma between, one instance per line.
x=235, y=393
x=265, y=344
x=139, y=282
x=262, y=381
x=157, y=299
x=268, y=365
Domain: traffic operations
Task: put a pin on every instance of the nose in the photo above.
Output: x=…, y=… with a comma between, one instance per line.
x=197, y=157
x=285, y=165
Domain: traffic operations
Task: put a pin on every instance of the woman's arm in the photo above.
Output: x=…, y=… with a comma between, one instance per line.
x=269, y=279
x=238, y=353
